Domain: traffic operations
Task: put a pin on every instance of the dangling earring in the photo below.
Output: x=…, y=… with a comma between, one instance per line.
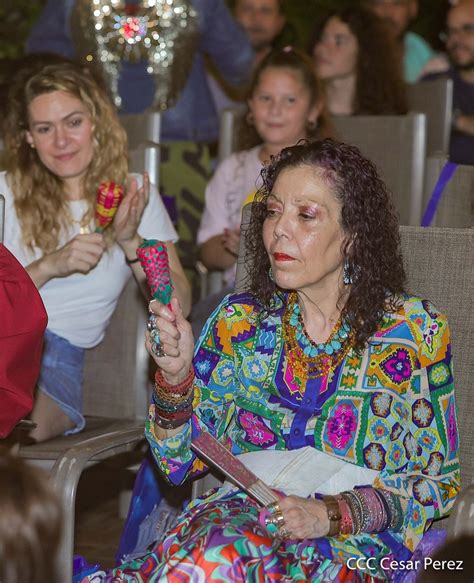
x=249, y=118
x=270, y=274
x=346, y=273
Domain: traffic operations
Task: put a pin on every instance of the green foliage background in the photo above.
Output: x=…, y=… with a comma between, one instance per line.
x=17, y=17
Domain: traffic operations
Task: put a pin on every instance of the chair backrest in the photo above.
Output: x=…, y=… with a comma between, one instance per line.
x=141, y=128
x=146, y=158
x=435, y=99
x=234, y=133
x=116, y=373
x=440, y=266
x=456, y=206
x=397, y=145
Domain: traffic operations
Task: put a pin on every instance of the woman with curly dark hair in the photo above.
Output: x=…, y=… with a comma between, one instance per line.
x=357, y=60
x=325, y=379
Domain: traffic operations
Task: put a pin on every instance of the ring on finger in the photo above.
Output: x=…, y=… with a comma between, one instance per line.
x=278, y=519
x=157, y=349
x=273, y=507
x=151, y=324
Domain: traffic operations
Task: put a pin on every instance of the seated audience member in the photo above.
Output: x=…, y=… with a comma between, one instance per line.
x=413, y=49
x=285, y=105
x=187, y=32
x=23, y=320
x=334, y=384
x=30, y=523
x=357, y=62
x=459, y=37
x=63, y=139
x=263, y=21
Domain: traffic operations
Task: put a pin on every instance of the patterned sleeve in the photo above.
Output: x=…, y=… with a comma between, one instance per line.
x=214, y=366
x=430, y=481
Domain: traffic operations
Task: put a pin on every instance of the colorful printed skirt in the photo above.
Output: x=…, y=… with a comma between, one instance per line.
x=221, y=540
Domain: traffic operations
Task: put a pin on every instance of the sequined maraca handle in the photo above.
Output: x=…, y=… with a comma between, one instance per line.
x=154, y=261
x=109, y=197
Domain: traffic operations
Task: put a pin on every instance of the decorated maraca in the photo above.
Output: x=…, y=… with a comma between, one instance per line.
x=154, y=261
x=109, y=197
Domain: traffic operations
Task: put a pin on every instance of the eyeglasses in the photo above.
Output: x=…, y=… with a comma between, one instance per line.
x=464, y=30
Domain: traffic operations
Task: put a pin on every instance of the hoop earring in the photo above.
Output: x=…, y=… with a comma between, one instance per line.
x=270, y=274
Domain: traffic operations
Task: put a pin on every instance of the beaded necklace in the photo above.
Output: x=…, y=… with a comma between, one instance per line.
x=309, y=359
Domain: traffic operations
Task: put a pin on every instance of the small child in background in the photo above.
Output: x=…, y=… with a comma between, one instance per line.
x=30, y=523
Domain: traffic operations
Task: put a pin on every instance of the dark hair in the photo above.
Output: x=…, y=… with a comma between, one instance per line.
x=30, y=523
x=368, y=219
x=291, y=58
x=380, y=88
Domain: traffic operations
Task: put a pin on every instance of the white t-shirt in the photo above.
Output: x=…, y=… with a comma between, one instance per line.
x=234, y=179
x=80, y=305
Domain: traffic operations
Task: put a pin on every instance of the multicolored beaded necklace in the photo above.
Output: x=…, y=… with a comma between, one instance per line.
x=309, y=359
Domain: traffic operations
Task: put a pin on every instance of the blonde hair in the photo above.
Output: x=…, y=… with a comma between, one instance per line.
x=30, y=523
x=38, y=193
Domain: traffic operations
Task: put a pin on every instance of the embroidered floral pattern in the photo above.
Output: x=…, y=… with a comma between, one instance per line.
x=380, y=404
x=422, y=413
x=439, y=374
x=255, y=429
x=398, y=366
x=341, y=426
x=374, y=456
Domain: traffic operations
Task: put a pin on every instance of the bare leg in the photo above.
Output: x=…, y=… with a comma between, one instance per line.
x=49, y=417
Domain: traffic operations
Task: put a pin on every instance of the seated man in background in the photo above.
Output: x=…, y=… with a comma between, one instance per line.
x=263, y=21
x=414, y=50
x=459, y=38
x=23, y=321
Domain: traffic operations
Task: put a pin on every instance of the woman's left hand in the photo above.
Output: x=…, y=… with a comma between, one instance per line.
x=130, y=211
x=304, y=518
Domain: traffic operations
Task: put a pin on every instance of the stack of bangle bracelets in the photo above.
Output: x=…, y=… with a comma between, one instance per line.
x=173, y=403
x=367, y=509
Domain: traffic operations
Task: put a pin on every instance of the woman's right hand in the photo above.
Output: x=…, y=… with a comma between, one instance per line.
x=176, y=341
x=79, y=255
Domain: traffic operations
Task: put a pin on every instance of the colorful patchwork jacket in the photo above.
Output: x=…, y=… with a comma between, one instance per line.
x=390, y=408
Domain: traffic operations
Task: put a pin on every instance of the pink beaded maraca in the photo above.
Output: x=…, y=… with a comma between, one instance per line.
x=109, y=197
x=154, y=261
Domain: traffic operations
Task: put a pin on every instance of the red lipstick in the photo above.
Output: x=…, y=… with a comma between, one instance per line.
x=282, y=257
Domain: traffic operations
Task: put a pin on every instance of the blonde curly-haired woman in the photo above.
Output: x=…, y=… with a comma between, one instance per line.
x=63, y=138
